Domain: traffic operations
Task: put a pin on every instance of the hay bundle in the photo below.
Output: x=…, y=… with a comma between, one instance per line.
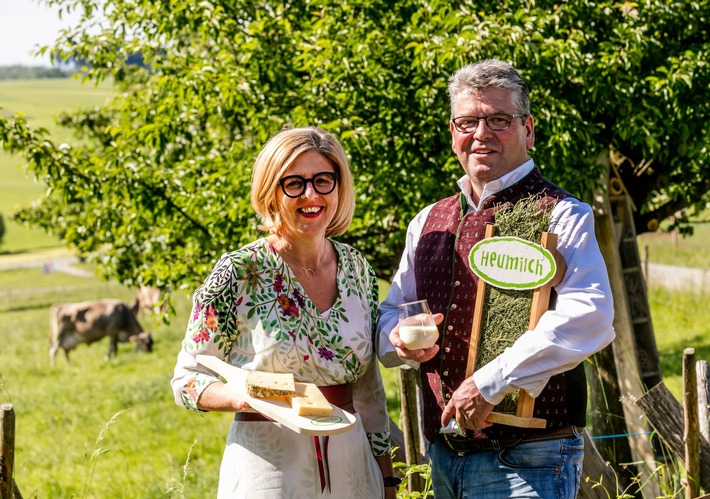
x=506, y=313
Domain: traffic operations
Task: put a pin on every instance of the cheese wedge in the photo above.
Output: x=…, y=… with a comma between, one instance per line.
x=262, y=384
x=309, y=401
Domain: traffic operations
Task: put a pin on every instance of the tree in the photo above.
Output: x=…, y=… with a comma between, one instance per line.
x=158, y=187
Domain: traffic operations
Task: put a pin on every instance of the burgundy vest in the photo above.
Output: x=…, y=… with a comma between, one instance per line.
x=444, y=278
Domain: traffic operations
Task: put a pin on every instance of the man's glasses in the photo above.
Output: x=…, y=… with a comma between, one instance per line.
x=495, y=122
x=295, y=185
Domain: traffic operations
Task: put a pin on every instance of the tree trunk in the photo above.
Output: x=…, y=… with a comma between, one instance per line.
x=610, y=228
x=606, y=418
x=598, y=480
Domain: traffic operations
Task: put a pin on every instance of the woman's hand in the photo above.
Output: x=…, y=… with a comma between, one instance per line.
x=390, y=492
x=420, y=355
x=219, y=398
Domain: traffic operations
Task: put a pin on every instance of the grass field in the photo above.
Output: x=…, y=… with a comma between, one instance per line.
x=145, y=440
x=105, y=429
x=62, y=411
x=673, y=249
x=65, y=446
x=40, y=101
x=126, y=403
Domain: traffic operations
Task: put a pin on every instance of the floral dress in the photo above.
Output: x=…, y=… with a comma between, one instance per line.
x=252, y=312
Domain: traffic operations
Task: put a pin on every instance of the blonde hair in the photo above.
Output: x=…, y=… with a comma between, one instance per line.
x=277, y=156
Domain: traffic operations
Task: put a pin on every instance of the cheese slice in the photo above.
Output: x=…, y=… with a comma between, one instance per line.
x=262, y=384
x=309, y=401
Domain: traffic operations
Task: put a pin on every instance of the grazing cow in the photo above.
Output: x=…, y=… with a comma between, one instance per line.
x=89, y=321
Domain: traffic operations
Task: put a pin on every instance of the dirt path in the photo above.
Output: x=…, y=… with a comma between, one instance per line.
x=677, y=278
x=64, y=264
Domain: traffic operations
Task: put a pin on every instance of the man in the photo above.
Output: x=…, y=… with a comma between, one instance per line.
x=492, y=130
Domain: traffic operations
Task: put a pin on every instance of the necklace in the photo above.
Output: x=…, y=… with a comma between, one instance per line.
x=306, y=271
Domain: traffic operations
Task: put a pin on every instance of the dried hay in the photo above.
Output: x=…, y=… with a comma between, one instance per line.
x=506, y=313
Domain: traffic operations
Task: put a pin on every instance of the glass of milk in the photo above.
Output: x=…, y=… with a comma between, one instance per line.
x=417, y=328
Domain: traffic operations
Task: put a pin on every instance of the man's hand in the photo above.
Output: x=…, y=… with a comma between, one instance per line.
x=468, y=406
x=421, y=355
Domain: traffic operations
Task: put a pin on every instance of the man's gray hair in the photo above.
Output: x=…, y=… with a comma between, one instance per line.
x=487, y=73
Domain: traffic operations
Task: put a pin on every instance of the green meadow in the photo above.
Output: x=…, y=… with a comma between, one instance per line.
x=39, y=101
x=93, y=428
x=103, y=429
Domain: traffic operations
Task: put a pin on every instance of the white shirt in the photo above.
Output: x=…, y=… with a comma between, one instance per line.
x=580, y=325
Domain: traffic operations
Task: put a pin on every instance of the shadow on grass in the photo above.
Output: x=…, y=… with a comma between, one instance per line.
x=27, y=307
x=37, y=250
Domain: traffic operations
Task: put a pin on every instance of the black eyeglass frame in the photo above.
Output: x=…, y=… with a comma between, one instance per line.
x=509, y=117
x=332, y=175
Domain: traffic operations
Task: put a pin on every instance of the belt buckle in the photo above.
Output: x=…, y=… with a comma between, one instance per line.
x=452, y=428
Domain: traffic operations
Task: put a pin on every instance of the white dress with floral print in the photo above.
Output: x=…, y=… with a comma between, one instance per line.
x=252, y=312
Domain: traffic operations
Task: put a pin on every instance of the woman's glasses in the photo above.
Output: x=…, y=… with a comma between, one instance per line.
x=295, y=185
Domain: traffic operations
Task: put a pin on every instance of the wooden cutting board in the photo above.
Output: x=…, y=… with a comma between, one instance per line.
x=279, y=409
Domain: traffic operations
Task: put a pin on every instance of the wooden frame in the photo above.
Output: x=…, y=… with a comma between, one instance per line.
x=523, y=417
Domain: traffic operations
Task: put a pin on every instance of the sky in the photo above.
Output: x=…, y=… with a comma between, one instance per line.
x=25, y=24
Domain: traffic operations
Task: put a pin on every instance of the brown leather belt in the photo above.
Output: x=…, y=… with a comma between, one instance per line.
x=340, y=395
x=464, y=445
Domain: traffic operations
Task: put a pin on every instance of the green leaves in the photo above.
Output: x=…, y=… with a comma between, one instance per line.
x=158, y=186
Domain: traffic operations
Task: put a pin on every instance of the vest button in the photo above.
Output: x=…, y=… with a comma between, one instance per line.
x=453, y=306
x=449, y=327
x=445, y=373
x=448, y=395
x=457, y=283
x=447, y=349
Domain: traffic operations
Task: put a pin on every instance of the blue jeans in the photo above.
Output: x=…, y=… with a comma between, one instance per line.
x=548, y=469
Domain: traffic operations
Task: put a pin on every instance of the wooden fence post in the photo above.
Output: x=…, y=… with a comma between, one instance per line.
x=691, y=436
x=8, y=488
x=665, y=414
x=702, y=372
x=408, y=381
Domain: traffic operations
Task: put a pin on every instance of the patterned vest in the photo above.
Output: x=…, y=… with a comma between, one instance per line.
x=444, y=278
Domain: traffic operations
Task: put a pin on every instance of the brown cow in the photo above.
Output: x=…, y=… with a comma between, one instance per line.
x=89, y=321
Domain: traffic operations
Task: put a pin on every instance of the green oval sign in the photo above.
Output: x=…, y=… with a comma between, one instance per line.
x=326, y=420
x=512, y=263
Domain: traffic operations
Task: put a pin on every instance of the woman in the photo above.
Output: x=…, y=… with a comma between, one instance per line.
x=293, y=301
